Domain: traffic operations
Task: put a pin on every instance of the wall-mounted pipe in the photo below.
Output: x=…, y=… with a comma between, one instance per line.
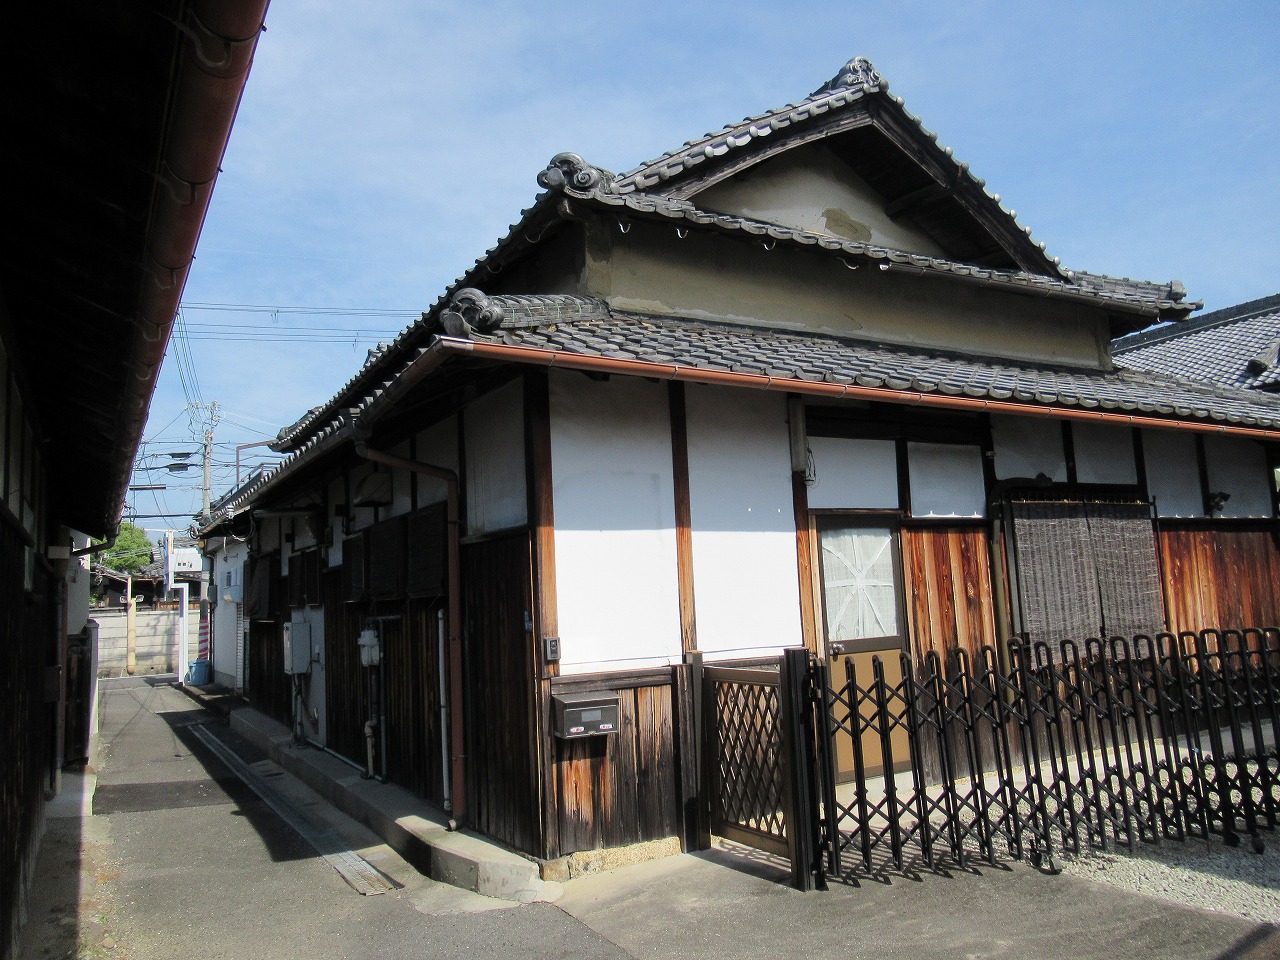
x=456, y=761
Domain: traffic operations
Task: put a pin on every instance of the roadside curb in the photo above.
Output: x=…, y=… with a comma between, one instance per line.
x=408, y=824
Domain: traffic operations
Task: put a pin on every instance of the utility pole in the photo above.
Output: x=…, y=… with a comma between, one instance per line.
x=208, y=458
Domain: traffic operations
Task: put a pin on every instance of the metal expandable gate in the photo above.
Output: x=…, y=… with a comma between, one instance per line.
x=1048, y=749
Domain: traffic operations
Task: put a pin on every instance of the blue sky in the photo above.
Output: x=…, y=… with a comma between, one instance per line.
x=382, y=147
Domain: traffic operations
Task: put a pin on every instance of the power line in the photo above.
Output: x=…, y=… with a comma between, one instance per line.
x=313, y=311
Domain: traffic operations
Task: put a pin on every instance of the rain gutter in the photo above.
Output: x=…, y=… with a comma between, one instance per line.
x=851, y=391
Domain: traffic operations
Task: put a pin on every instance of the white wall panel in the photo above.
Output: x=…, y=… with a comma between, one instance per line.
x=1173, y=473
x=438, y=446
x=401, y=481
x=496, y=492
x=851, y=474
x=1027, y=447
x=337, y=493
x=616, y=581
x=746, y=584
x=1239, y=467
x=1104, y=453
x=946, y=480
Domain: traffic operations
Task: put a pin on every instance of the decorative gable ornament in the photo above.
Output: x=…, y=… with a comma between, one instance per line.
x=470, y=311
x=858, y=72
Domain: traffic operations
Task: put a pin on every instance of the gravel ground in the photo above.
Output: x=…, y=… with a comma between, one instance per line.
x=1209, y=876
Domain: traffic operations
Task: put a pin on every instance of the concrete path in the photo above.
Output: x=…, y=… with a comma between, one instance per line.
x=179, y=859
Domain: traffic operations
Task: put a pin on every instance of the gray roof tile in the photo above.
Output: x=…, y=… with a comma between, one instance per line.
x=1235, y=347
x=710, y=345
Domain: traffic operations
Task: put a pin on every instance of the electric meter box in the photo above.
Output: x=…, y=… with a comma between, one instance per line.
x=584, y=714
x=297, y=647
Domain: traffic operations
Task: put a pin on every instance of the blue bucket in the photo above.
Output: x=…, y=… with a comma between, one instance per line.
x=198, y=674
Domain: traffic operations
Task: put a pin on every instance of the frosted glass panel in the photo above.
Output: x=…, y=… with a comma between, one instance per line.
x=858, y=578
x=1173, y=473
x=1238, y=468
x=1026, y=447
x=946, y=480
x=853, y=474
x=1104, y=453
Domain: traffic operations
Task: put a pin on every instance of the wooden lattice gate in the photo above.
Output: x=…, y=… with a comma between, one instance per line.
x=758, y=757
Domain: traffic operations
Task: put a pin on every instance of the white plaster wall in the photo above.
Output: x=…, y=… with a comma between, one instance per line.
x=1239, y=467
x=267, y=533
x=746, y=583
x=808, y=188
x=946, y=480
x=1104, y=453
x=438, y=446
x=303, y=536
x=850, y=474
x=614, y=499
x=337, y=494
x=1027, y=447
x=1173, y=474
x=358, y=518
x=494, y=429
x=78, y=585
x=401, y=483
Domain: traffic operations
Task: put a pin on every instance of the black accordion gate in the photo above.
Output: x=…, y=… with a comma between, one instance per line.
x=1053, y=748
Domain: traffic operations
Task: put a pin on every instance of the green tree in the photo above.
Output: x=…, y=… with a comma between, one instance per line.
x=131, y=552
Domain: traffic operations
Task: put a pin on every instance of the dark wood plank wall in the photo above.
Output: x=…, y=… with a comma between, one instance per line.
x=501, y=765
x=270, y=688
x=948, y=586
x=346, y=681
x=1220, y=576
x=27, y=632
x=412, y=699
x=623, y=788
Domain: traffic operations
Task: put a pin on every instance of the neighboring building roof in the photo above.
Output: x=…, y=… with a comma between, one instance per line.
x=1238, y=346
x=585, y=333
x=115, y=120
x=657, y=191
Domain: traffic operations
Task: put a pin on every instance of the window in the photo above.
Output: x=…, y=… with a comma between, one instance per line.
x=860, y=586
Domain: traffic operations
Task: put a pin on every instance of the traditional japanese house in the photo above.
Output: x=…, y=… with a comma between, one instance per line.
x=802, y=381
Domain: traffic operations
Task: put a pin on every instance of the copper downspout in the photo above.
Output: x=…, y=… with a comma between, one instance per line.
x=209, y=81
x=458, y=767
x=836, y=391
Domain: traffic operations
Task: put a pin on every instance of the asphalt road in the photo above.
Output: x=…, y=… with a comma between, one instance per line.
x=181, y=860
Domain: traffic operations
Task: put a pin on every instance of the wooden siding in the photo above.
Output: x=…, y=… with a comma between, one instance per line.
x=948, y=588
x=412, y=699
x=1220, y=576
x=624, y=788
x=501, y=728
x=270, y=689
x=346, y=681
x=26, y=720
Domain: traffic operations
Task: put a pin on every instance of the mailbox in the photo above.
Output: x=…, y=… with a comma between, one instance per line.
x=585, y=714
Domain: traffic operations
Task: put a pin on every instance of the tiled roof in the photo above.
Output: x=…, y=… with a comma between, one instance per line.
x=586, y=328
x=1238, y=346
x=573, y=183
x=807, y=357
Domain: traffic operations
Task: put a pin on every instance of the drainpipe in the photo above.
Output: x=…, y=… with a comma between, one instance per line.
x=455, y=762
